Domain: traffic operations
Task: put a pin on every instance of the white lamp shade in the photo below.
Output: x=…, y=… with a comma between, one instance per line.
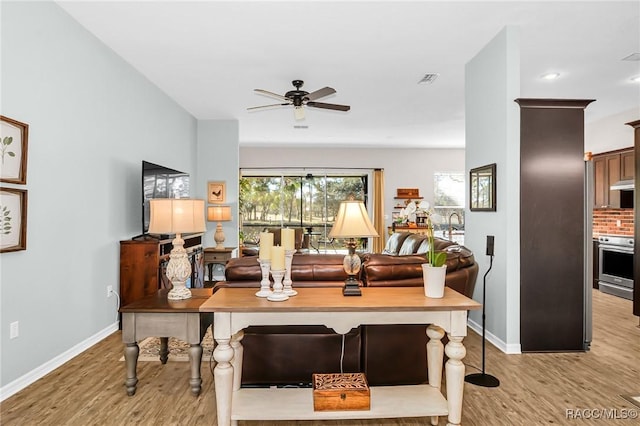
x=176, y=216
x=352, y=221
x=218, y=213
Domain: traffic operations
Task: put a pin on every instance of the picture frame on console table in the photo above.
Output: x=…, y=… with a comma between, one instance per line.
x=482, y=188
x=14, y=137
x=13, y=219
x=217, y=192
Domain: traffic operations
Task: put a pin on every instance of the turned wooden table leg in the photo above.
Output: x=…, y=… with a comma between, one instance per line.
x=223, y=373
x=454, y=370
x=195, y=358
x=164, y=349
x=435, y=359
x=131, y=351
x=238, y=353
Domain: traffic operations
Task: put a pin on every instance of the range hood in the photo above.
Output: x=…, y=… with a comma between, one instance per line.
x=623, y=185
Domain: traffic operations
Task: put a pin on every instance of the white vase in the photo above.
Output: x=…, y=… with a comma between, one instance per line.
x=434, y=277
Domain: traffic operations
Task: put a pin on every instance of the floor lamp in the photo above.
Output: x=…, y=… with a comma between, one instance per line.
x=483, y=379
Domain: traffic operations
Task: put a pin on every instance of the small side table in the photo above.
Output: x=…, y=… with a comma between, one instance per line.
x=213, y=256
x=156, y=316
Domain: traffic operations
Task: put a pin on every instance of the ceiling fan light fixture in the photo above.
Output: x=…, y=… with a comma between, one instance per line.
x=298, y=112
x=428, y=78
x=550, y=76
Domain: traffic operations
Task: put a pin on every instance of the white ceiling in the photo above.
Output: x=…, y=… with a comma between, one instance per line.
x=210, y=55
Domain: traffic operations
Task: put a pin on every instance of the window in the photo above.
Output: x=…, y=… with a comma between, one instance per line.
x=448, y=202
x=272, y=199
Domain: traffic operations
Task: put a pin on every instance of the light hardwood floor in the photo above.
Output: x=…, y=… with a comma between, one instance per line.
x=535, y=389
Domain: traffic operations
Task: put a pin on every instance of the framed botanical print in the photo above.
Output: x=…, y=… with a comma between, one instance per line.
x=482, y=188
x=13, y=219
x=14, y=136
x=217, y=192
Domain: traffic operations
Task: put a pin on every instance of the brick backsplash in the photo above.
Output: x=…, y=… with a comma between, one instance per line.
x=605, y=222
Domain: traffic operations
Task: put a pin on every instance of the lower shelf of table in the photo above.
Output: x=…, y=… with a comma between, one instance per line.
x=297, y=404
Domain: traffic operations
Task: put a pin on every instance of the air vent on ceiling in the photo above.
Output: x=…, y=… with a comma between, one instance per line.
x=632, y=57
x=428, y=78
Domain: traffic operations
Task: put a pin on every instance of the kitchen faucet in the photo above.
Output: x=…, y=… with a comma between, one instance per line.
x=450, y=227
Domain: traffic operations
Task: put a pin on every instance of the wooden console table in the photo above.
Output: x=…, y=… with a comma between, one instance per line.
x=237, y=308
x=214, y=256
x=156, y=316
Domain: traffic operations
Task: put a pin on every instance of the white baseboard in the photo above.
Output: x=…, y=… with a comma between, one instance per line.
x=510, y=349
x=39, y=372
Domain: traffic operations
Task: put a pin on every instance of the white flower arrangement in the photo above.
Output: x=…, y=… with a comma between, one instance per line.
x=435, y=258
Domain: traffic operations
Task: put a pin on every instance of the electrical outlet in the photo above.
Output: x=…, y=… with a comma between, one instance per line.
x=14, y=331
x=618, y=223
x=109, y=290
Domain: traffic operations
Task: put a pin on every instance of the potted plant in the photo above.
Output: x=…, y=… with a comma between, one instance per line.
x=434, y=272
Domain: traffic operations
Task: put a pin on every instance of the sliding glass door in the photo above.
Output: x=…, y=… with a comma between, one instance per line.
x=298, y=200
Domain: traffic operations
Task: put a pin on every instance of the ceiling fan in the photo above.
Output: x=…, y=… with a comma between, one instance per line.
x=299, y=98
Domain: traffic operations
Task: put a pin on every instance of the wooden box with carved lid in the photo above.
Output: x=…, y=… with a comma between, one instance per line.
x=336, y=392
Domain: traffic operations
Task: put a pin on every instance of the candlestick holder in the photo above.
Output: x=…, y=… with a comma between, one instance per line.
x=265, y=290
x=288, y=259
x=277, y=295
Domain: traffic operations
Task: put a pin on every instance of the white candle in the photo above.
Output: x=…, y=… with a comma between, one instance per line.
x=266, y=242
x=288, y=237
x=277, y=258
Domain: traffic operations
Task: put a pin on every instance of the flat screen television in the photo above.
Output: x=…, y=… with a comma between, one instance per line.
x=160, y=182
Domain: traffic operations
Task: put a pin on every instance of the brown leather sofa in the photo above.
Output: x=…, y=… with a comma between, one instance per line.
x=289, y=355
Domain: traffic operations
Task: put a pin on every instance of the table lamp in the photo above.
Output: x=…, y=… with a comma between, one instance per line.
x=352, y=222
x=177, y=216
x=219, y=214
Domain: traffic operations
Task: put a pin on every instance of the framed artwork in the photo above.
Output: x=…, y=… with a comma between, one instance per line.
x=14, y=136
x=13, y=219
x=217, y=192
x=482, y=188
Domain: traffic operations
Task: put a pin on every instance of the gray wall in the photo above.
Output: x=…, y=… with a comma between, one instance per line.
x=218, y=161
x=92, y=119
x=492, y=80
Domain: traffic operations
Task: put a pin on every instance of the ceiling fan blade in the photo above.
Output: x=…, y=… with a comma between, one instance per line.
x=268, y=93
x=325, y=91
x=329, y=106
x=267, y=106
x=298, y=113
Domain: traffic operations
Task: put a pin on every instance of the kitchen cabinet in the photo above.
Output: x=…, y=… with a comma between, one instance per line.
x=609, y=168
x=627, y=165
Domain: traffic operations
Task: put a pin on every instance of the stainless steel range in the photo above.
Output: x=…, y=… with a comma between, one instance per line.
x=616, y=265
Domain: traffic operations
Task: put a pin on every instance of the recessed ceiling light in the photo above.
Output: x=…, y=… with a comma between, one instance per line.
x=632, y=57
x=428, y=78
x=550, y=76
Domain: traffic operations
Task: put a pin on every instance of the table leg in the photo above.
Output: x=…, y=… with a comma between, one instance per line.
x=195, y=357
x=131, y=351
x=164, y=349
x=223, y=379
x=210, y=266
x=435, y=358
x=238, y=353
x=454, y=370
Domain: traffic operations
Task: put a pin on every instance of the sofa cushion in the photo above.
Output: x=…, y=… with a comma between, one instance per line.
x=394, y=243
x=304, y=267
x=411, y=244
